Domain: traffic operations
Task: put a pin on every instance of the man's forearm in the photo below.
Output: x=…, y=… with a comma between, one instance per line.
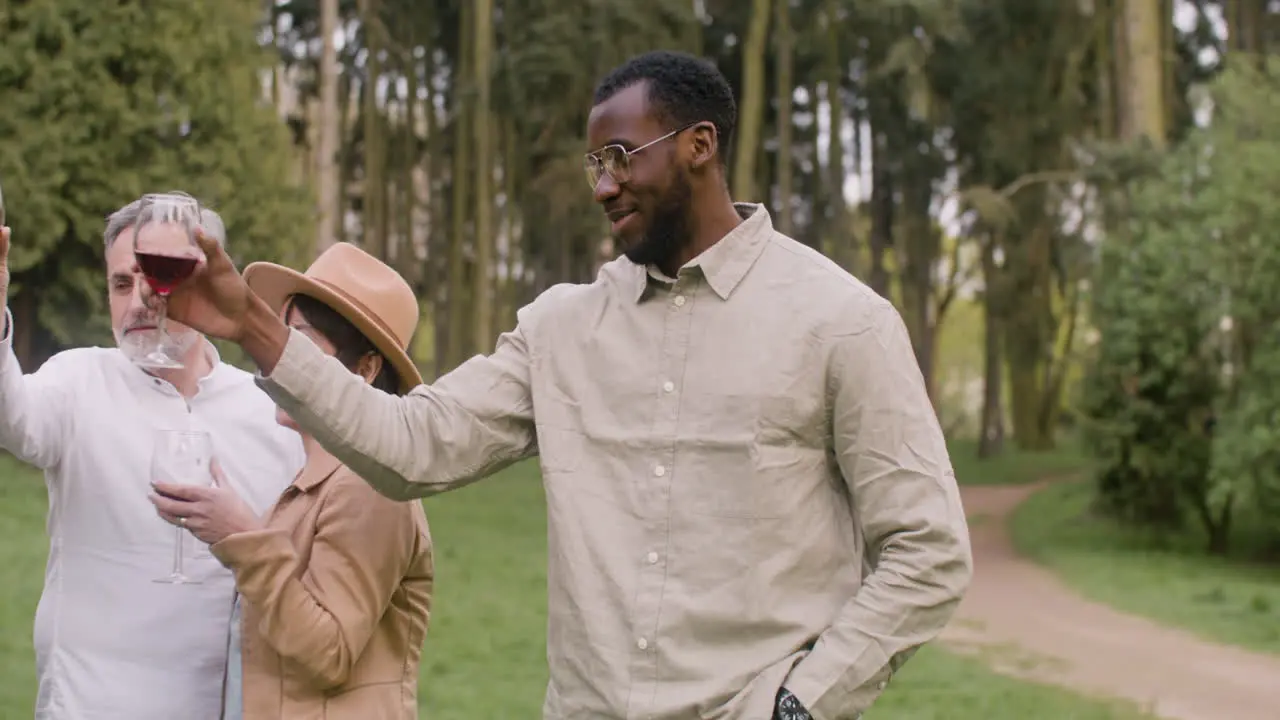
x=265, y=336
x=902, y=605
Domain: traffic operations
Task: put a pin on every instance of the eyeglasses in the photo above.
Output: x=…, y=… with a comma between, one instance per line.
x=616, y=160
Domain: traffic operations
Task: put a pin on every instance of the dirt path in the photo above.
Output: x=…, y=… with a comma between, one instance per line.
x=1026, y=623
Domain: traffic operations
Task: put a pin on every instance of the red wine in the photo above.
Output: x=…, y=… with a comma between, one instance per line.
x=163, y=272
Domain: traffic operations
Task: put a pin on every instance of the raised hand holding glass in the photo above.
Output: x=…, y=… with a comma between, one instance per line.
x=164, y=243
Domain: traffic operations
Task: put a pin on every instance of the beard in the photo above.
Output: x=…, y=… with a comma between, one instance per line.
x=668, y=232
x=136, y=344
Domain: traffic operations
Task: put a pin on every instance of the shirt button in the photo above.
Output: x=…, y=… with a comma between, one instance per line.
x=659, y=471
x=642, y=643
x=653, y=558
x=679, y=301
x=880, y=685
x=668, y=386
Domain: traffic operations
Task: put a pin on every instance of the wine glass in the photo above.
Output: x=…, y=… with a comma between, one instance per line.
x=164, y=243
x=1, y=208
x=182, y=457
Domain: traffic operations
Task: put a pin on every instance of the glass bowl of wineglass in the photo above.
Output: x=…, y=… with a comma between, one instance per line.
x=183, y=457
x=164, y=244
x=1, y=207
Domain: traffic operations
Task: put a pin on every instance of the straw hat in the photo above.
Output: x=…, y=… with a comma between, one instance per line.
x=363, y=289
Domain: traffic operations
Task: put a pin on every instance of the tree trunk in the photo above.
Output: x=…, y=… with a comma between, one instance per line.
x=844, y=243
x=346, y=157
x=1028, y=336
x=326, y=155
x=483, y=128
x=1246, y=26
x=1143, y=109
x=407, y=250
x=784, y=59
x=916, y=254
x=437, y=240
x=991, y=440
x=373, y=213
x=1107, y=66
x=882, y=209
x=462, y=118
x=751, y=104
x=694, y=30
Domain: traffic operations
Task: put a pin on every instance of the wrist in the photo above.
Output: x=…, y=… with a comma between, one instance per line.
x=264, y=335
x=789, y=707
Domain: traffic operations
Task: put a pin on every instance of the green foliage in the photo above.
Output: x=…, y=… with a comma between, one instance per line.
x=1182, y=395
x=113, y=99
x=1009, y=118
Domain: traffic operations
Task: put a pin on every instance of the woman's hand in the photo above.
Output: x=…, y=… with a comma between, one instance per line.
x=210, y=513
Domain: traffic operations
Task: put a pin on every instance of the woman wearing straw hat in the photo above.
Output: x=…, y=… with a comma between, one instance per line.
x=335, y=581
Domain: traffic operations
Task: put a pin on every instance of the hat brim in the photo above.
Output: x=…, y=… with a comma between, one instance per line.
x=275, y=283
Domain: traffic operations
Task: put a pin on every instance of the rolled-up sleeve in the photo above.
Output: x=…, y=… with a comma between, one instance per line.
x=893, y=457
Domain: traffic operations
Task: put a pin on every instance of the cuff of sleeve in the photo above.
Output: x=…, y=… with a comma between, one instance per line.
x=829, y=700
x=243, y=548
x=295, y=372
x=6, y=339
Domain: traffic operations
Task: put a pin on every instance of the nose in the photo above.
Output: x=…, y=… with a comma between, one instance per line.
x=135, y=296
x=606, y=189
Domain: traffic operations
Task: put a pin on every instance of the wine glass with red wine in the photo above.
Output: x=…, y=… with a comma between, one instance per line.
x=164, y=243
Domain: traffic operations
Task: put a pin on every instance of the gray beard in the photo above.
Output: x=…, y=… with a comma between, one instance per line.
x=137, y=344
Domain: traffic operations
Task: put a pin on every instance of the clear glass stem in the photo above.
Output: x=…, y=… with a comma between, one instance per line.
x=161, y=316
x=177, y=552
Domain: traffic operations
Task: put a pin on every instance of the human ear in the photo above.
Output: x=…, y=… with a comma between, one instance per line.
x=369, y=367
x=704, y=144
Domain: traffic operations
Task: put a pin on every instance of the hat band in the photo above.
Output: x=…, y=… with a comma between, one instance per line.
x=373, y=317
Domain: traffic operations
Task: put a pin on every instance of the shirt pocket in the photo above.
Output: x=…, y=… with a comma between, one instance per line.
x=749, y=457
x=558, y=424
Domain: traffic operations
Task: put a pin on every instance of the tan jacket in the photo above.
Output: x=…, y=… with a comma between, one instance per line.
x=336, y=597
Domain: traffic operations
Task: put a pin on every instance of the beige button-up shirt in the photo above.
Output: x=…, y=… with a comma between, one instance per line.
x=747, y=486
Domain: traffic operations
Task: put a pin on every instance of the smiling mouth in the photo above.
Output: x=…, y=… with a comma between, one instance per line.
x=618, y=217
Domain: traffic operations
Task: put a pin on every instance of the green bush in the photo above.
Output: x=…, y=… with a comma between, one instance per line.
x=1181, y=395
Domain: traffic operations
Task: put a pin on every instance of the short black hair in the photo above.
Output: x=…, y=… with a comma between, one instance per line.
x=349, y=343
x=683, y=88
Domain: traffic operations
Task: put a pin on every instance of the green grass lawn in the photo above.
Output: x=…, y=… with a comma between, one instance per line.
x=1013, y=466
x=1168, y=581
x=484, y=655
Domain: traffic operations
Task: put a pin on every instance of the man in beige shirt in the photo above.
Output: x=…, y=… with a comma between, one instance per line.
x=751, y=510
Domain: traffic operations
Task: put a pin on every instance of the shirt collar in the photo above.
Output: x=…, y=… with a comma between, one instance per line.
x=320, y=466
x=725, y=263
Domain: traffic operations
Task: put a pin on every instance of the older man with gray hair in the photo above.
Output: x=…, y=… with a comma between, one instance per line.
x=112, y=644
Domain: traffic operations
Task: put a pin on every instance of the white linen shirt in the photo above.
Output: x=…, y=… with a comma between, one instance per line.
x=112, y=644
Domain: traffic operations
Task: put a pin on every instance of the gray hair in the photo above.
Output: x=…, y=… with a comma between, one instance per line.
x=130, y=215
